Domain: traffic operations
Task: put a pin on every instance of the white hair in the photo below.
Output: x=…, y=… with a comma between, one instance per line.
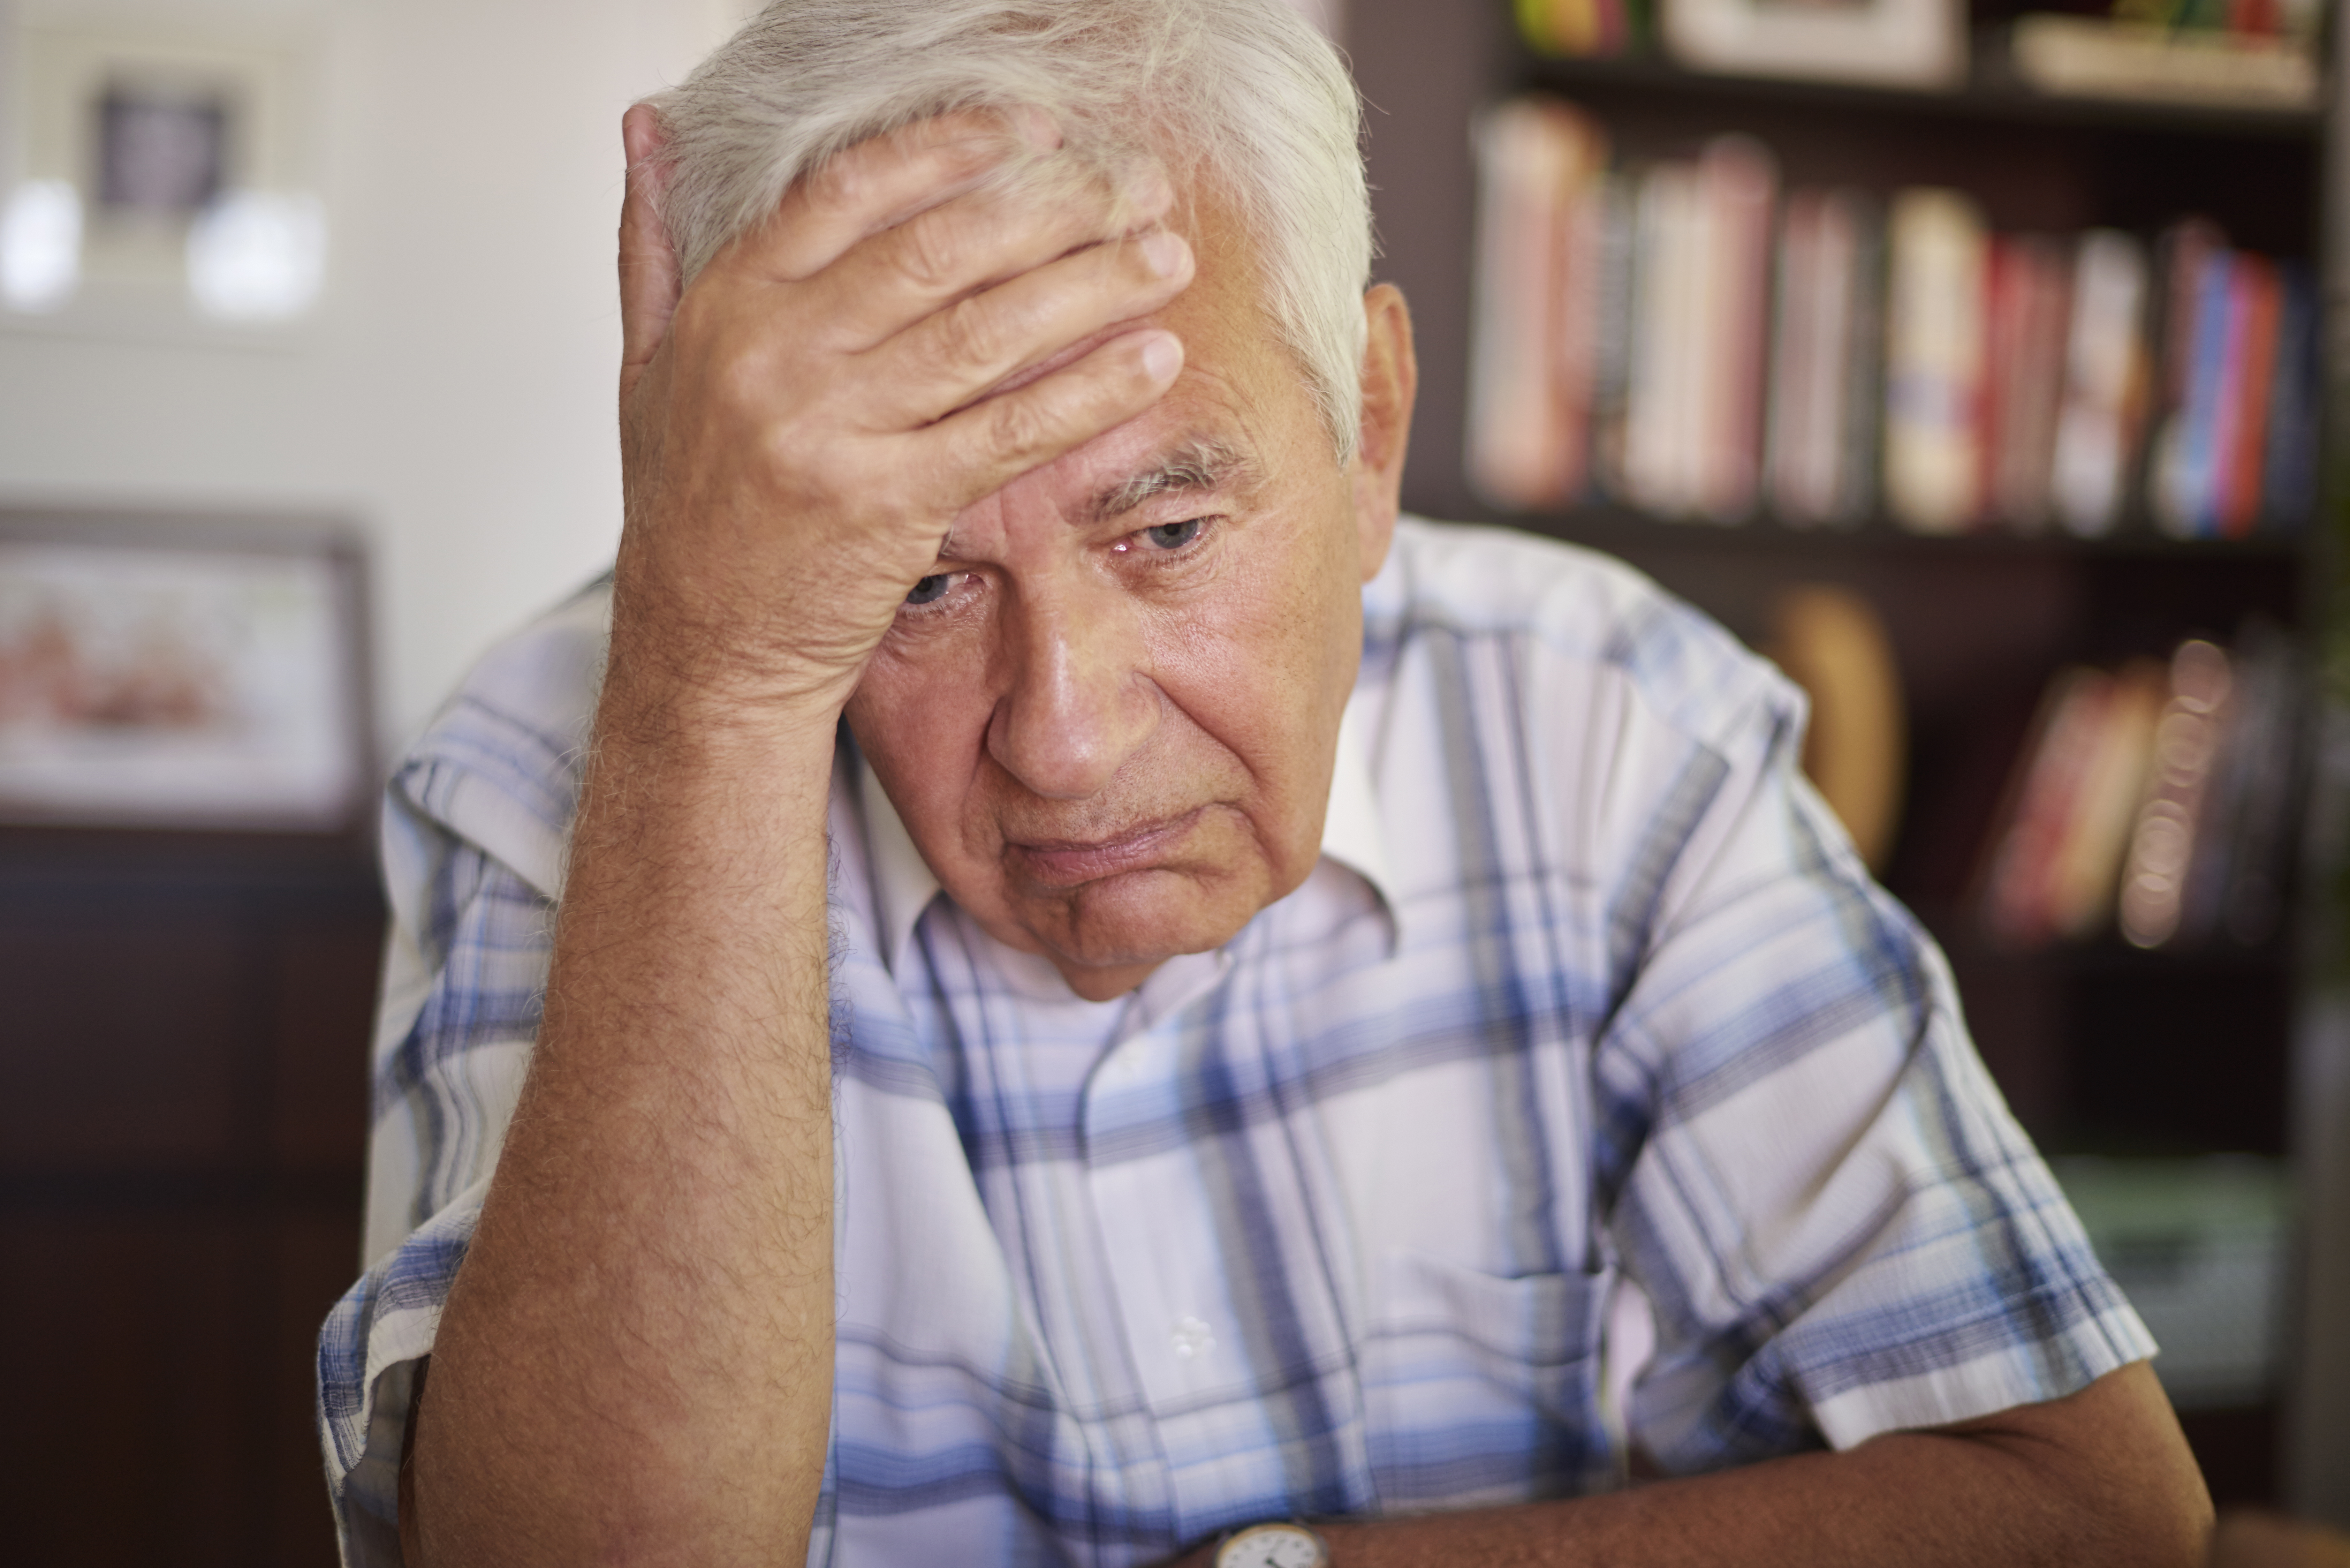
x=1242, y=92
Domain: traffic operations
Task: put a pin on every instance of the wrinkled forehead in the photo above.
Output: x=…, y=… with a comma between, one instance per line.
x=1228, y=425
x=1144, y=471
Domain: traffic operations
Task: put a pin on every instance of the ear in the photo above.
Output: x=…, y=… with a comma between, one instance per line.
x=1391, y=383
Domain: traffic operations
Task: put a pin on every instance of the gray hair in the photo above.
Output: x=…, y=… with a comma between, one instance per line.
x=1243, y=92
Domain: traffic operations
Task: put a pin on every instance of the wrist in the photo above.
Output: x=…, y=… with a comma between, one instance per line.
x=669, y=679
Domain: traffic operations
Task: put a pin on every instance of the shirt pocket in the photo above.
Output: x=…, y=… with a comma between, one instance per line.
x=1482, y=1388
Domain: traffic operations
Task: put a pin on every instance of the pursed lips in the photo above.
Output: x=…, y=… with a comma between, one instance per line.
x=1069, y=863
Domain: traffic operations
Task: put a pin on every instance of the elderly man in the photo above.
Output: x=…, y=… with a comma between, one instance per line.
x=1105, y=999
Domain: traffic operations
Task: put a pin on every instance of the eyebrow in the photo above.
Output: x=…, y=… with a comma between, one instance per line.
x=1200, y=463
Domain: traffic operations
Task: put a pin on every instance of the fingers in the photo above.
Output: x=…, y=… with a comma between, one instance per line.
x=950, y=252
x=648, y=280
x=956, y=356
x=993, y=442
x=882, y=183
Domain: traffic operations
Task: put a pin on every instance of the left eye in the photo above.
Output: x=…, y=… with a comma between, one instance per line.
x=1174, y=535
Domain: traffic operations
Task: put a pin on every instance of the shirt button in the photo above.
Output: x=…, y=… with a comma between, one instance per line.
x=1190, y=1338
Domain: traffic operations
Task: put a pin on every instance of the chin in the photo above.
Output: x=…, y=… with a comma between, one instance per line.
x=1143, y=920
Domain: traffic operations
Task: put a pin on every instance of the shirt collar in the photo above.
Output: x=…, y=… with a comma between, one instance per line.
x=1352, y=834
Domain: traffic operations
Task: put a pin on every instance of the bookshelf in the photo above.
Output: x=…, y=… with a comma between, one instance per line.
x=2100, y=1048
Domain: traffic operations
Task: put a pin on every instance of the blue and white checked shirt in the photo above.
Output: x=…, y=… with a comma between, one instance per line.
x=1587, y=983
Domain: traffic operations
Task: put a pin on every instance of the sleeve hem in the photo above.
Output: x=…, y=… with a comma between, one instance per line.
x=2024, y=1375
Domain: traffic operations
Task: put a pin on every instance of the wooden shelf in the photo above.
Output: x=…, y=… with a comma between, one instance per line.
x=1610, y=527
x=1992, y=101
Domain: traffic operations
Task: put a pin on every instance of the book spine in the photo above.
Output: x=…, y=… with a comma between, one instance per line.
x=2088, y=857
x=1529, y=390
x=2105, y=373
x=1859, y=488
x=2168, y=479
x=1667, y=307
x=1792, y=413
x=2289, y=463
x=2171, y=817
x=1738, y=185
x=1614, y=207
x=1934, y=351
x=2018, y=888
x=2255, y=379
x=2031, y=439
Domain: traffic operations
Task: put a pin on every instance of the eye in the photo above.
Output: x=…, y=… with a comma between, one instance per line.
x=1174, y=535
x=930, y=589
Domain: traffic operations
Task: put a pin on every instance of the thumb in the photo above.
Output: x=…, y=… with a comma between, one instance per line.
x=648, y=272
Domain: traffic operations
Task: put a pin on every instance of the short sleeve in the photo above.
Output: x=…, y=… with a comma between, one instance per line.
x=474, y=824
x=1842, y=1229
x=464, y=974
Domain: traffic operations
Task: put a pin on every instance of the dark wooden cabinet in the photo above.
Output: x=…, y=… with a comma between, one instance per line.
x=183, y=1031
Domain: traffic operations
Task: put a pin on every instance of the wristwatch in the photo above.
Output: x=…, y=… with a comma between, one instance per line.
x=1273, y=1546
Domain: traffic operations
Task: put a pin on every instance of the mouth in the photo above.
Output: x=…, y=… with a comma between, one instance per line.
x=1069, y=863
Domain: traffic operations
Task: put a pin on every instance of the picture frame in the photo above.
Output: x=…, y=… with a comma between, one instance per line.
x=201, y=671
x=159, y=179
x=1891, y=43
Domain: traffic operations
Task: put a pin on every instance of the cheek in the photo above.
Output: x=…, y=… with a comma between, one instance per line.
x=1266, y=665
x=919, y=724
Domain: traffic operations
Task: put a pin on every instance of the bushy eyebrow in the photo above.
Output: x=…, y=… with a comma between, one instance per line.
x=1200, y=463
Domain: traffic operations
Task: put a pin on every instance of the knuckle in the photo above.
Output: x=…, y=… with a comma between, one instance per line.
x=1018, y=426
x=930, y=252
x=842, y=185
x=969, y=337
x=786, y=450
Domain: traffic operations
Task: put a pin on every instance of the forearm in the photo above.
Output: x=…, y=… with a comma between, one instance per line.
x=636, y=1355
x=2101, y=1478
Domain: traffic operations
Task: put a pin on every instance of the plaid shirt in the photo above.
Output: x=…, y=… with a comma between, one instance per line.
x=1587, y=987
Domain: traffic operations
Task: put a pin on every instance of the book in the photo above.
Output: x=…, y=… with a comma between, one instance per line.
x=2102, y=414
x=2236, y=883
x=1615, y=216
x=1738, y=185
x=2056, y=856
x=1934, y=343
x=2030, y=302
x=2092, y=56
x=2288, y=460
x=1661, y=401
x=1580, y=29
x=2192, y=261
x=2087, y=871
x=2171, y=816
x=2031, y=825
x=1693, y=420
x=1681, y=338
x=1823, y=337
x=1536, y=302
x=2255, y=309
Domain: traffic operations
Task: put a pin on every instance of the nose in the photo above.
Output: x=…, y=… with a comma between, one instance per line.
x=1079, y=701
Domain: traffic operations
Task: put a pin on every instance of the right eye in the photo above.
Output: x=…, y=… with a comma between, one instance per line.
x=930, y=589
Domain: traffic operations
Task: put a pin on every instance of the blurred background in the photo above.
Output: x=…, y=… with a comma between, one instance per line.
x=1978, y=364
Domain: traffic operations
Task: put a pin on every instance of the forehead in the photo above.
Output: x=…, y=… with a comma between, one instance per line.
x=1239, y=405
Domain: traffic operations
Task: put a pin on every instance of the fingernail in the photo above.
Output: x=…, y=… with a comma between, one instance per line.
x=1163, y=251
x=1162, y=356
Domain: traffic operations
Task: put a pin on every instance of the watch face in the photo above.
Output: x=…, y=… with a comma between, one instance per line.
x=1273, y=1546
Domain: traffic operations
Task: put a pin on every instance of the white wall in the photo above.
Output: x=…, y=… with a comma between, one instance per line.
x=455, y=396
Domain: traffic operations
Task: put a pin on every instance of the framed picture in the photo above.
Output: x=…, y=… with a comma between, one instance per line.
x=159, y=178
x=182, y=672
x=1902, y=43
